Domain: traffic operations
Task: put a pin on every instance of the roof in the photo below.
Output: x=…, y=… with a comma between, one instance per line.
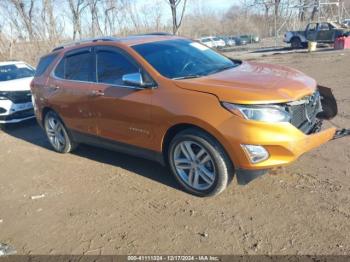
x=141, y=39
x=129, y=41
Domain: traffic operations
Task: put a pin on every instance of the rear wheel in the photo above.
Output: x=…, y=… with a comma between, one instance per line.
x=199, y=163
x=57, y=133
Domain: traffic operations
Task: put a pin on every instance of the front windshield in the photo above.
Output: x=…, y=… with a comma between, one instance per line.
x=182, y=58
x=15, y=71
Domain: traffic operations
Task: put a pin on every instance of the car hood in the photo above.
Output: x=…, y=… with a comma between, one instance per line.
x=253, y=83
x=22, y=84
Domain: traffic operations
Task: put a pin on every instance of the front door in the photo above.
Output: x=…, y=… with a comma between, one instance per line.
x=311, y=32
x=123, y=112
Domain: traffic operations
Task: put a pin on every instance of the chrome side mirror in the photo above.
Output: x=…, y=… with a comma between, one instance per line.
x=134, y=79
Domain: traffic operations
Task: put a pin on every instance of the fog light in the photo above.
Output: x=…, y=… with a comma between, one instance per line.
x=255, y=153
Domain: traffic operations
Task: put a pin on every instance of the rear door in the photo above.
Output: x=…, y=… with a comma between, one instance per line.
x=123, y=111
x=71, y=86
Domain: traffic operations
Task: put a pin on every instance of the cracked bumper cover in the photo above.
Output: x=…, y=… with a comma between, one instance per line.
x=285, y=152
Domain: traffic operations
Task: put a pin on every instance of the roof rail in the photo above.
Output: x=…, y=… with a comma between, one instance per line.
x=83, y=41
x=155, y=33
x=159, y=33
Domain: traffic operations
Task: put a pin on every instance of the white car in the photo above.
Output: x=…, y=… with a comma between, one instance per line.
x=212, y=42
x=346, y=22
x=15, y=95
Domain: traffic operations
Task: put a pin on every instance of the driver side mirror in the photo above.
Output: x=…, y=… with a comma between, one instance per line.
x=137, y=80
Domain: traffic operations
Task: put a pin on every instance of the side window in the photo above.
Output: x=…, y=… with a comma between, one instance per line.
x=79, y=67
x=111, y=66
x=323, y=26
x=312, y=27
x=44, y=64
x=59, y=71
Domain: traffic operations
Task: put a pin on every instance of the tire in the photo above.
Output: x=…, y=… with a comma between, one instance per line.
x=57, y=133
x=199, y=163
x=295, y=43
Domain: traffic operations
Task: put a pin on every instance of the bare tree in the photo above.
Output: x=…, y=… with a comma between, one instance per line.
x=175, y=9
x=76, y=8
x=26, y=13
x=95, y=24
x=109, y=22
x=49, y=21
x=314, y=9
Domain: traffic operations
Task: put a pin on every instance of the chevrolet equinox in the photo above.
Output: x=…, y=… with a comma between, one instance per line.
x=176, y=101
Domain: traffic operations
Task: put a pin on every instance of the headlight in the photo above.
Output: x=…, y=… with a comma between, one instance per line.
x=268, y=113
x=3, y=98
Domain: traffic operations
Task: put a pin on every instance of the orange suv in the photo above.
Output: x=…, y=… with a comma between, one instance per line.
x=176, y=101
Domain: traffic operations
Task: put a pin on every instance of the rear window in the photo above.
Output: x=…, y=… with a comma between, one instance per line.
x=78, y=67
x=15, y=71
x=44, y=64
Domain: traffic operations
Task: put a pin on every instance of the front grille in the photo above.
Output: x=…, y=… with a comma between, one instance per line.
x=304, y=112
x=18, y=97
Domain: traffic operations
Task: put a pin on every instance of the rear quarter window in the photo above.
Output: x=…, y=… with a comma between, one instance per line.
x=44, y=63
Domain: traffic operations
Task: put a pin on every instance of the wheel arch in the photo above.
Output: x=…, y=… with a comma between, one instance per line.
x=47, y=109
x=178, y=127
x=295, y=38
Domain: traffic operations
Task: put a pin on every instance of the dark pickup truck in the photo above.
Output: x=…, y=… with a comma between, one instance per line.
x=323, y=32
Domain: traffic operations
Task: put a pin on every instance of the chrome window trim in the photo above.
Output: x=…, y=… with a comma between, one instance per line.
x=108, y=84
x=52, y=74
x=102, y=83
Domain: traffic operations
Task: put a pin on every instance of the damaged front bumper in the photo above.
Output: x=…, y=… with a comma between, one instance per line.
x=330, y=110
x=312, y=140
x=341, y=133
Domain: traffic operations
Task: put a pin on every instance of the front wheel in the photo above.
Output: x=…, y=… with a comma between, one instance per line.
x=295, y=43
x=199, y=163
x=57, y=133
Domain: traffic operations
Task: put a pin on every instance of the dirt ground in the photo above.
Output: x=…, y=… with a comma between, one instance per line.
x=96, y=201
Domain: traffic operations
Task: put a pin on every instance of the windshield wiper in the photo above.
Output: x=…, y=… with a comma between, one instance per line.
x=221, y=69
x=187, y=77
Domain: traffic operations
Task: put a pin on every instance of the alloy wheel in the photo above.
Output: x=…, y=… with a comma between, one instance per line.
x=194, y=165
x=55, y=133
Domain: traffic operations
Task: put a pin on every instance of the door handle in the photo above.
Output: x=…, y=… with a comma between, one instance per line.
x=97, y=93
x=55, y=87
